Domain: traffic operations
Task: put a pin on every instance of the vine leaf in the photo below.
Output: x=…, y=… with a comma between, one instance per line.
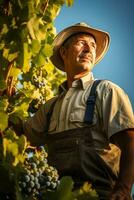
x=48, y=50
x=22, y=144
x=3, y=85
x=69, y=2
x=3, y=120
x=26, y=61
x=15, y=72
x=64, y=190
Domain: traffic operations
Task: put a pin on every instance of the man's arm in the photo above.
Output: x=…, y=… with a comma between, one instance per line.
x=125, y=141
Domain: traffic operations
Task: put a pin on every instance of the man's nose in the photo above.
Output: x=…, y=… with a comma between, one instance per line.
x=87, y=47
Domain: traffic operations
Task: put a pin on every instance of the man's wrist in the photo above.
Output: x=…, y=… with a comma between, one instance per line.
x=120, y=186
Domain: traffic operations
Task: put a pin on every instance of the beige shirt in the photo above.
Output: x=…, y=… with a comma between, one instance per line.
x=113, y=112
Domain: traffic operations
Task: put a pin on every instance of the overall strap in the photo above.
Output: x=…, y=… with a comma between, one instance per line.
x=88, y=118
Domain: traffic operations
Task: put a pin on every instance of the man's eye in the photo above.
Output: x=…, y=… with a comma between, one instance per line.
x=81, y=42
x=93, y=45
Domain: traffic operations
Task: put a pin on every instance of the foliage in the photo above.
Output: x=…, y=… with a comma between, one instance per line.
x=26, y=175
x=26, y=35
x=65, y=191
x=27, y=79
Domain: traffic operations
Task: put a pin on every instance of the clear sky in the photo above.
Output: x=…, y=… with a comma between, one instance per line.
x=117, y=18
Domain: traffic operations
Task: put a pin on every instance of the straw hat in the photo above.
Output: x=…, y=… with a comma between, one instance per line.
x=102, y=40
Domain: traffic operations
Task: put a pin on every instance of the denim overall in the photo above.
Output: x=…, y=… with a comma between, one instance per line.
x=73, y=154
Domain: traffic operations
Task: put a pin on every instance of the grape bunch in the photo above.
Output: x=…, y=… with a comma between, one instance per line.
x=37, y=175
x=39, y=81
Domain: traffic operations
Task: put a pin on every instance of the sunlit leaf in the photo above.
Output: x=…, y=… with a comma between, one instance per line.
x=37, y=2
x=3, y=120
x=5, y=53
x=48, y=50
x=21, y=110
x=17, y=159
x=22, y=143
x=15, y=72
x=13, y=148
x=12, y=56
x=26, y=61
x=30, y=8
x=30, y=26
x=35, y=46
x=86, y=192
x=40, y=60
x=5, y=146
x=27, y=32
x=69, y=2
x=9, y=56
x=49, y=67
x=54, y=11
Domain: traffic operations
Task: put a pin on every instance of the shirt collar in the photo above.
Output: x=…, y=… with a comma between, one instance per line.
x=82, y=82
x=86, y=80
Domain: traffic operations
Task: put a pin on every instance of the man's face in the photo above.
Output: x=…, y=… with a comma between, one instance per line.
x=79, y=54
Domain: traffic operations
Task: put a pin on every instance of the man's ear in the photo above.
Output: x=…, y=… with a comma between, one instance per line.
x=62, y=52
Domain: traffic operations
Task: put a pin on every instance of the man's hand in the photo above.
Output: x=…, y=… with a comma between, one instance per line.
x=125, y=141
x=120, y=196
x=120, y=193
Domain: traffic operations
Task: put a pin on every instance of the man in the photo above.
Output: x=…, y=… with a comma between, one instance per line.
x=76, y=50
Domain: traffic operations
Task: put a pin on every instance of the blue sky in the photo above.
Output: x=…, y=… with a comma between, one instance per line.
x=117, y=18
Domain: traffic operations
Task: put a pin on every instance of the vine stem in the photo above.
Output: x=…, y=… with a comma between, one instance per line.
x=8, y=70
x=44, y=7
x=9, y=79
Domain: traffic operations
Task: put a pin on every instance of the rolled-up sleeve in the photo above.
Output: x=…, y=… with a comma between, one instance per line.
x=36, y=126
x=116, y=110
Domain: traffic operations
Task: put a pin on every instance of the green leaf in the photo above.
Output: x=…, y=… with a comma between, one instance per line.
x=35, y=46
x=22, y=143
x=10, y=149
x=3, y=104
x=48, y=50
x=3, y=120
x=54, y=11
x=60, y=2
x=2, y=45
x=30, y=26
x=63, y=192
x=3, y=28
x=13, y=148
x=49, y=68
x=40, y=60
x=12, y=56
x=5, y=53
x=26, y=61
x=10, y=134
x=36, y=28
x=66, y=184
x=21, y=110
x=15, y=72
x=3, y=85
x=30, y=8
x=69, y=2
x=9, y=56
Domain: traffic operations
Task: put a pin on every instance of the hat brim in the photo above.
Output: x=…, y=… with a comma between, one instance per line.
x=102, y=40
